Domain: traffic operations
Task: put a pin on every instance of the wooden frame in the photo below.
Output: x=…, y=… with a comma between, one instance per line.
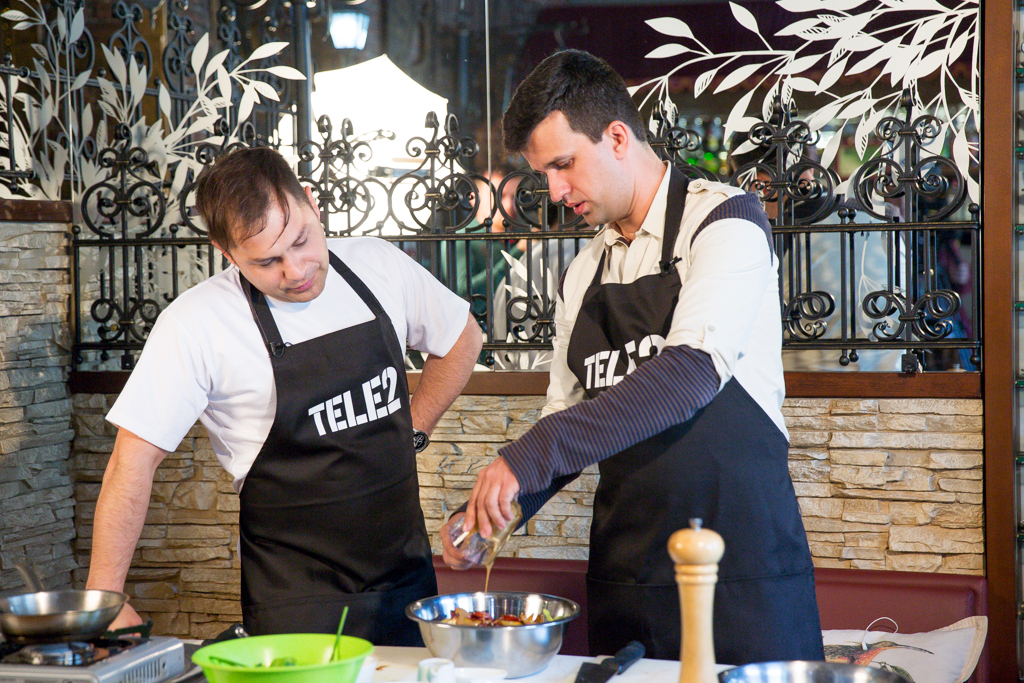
x=34, y=211
x=999, y=133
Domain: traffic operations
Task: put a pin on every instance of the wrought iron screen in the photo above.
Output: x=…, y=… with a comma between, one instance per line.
x=881, y=279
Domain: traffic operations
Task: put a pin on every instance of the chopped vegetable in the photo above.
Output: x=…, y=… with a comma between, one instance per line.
x=280, y=661
x=283, y=661
x=461, y=617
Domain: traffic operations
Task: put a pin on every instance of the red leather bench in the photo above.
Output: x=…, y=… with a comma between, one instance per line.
x=847, y=598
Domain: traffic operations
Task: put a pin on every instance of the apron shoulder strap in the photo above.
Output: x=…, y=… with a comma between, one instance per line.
x=678, y=185
x=357, y=285
x=263, y=317
x=596, y=280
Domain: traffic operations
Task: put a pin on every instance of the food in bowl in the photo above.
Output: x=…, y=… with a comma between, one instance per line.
x=283, y=658
x=520, y=650
x=461, y=617
x=282, y=661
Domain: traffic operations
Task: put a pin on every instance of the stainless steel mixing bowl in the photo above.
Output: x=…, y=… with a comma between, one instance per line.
x=520, y=650
x=808, y=672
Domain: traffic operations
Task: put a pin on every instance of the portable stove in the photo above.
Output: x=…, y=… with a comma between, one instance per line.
x=128, y=659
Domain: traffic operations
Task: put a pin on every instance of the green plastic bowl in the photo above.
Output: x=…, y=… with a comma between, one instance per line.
x=311, y=652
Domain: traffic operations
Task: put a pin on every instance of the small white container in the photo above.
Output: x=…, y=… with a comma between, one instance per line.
x=476, y=674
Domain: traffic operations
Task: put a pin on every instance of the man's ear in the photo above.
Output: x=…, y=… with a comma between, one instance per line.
x=620, y=136
x=312, y=202
x=224, y=251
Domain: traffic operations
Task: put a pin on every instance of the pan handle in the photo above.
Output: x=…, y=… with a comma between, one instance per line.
x=29, y=576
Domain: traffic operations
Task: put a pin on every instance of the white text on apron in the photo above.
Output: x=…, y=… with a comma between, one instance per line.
x=601, y=365
x=341, y=410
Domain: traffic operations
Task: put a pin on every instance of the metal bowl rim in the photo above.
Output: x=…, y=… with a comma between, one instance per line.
x=572, y=605
x=816, y=663
x=819, y=662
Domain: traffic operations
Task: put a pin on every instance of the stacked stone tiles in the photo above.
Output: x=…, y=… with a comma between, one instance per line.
x=465, y=441
x=886, y=484
x=185, y=570
x=890, y=484
x=36, y=518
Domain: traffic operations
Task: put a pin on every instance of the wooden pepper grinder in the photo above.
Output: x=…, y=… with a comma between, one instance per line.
x=696, y=553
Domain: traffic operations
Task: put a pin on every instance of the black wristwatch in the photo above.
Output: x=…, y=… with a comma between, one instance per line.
x=420, y=440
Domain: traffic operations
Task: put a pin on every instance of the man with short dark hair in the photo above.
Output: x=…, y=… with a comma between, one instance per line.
x=294, y=360
x=667, y=373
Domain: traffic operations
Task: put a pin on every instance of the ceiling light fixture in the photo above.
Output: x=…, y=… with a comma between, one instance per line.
x=349, y=29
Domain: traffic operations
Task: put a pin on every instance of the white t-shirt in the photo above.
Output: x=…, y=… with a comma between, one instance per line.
x=205, y=357
x=728, y=305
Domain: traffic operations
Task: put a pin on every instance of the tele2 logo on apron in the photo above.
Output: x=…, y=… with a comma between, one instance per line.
x=601, y=365
x=340, y=410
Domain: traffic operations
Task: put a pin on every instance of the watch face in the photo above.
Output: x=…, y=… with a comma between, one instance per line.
x=419, y=440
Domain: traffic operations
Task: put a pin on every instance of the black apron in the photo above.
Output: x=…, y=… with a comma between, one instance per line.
x=330, y=513
x=727, y=465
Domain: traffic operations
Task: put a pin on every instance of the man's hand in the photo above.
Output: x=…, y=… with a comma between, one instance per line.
x=127, y=617
x=490, y=502
x=453, y=557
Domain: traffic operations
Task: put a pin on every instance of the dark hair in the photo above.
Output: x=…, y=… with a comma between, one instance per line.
x=234, y=195
x=583, y=87
x=763, y=153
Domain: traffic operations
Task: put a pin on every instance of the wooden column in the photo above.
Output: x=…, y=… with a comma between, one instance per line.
x=998, y=136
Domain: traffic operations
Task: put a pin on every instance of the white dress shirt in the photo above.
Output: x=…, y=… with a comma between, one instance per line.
x=728, y=304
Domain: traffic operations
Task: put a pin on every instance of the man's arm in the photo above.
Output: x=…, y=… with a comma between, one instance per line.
x=443, y=378
x=120, y=515
x=665, y=391
x=730, y=261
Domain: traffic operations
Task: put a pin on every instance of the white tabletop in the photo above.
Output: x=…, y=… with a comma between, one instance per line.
x=400, y=664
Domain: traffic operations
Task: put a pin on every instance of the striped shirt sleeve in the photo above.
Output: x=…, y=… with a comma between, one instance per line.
x=663, y=392
x=746, y=207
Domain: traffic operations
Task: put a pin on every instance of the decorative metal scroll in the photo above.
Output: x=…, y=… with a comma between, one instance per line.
x=506, y=257
x=927, y=186
x=10, y=173
x=76, y=129
x=883, y=276
x=901, y=285
x=675, y=144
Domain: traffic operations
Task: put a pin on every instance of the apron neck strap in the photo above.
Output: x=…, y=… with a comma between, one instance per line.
x=676, y=202
x=678, y=185
x=265, y=319
x=357, y=285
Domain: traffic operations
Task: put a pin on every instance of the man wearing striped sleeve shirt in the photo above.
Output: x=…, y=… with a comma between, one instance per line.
x=667, y=372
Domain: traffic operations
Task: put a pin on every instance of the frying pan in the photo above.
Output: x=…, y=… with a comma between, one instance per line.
x=49, y=616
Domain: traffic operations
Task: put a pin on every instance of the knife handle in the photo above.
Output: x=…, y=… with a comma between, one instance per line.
x=628, y=655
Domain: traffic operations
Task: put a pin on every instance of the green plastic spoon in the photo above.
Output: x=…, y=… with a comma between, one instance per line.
x=337, y=638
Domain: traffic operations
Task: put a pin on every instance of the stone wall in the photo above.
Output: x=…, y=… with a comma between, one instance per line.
x=185, y=571
x=887, y=484
x=36, y=518
x=890, y=484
